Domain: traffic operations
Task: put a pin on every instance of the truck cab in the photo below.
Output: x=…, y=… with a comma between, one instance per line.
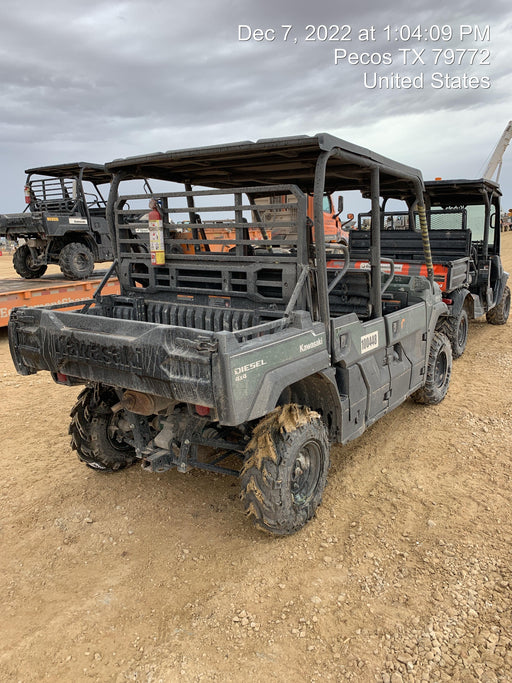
x=283, y=207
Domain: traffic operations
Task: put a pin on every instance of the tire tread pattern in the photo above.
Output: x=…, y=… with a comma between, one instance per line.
x=430, y=393
x=498, y=315
x=20, y=264
x=89, y=422
x=264, y=498
x=66, y=258
x=450, y=328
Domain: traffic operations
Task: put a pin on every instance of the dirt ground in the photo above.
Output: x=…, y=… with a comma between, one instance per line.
x=405, y=574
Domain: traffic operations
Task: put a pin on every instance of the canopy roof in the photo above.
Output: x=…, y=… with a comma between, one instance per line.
x=460, y=192
x=96, y=173
x=289, y=160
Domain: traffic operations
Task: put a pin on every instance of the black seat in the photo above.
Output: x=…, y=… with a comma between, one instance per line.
x=351, y=294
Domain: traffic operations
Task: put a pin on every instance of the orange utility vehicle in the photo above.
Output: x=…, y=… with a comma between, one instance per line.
x=463, y=218
x=282, y=213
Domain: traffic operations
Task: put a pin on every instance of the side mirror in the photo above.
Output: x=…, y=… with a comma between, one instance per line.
x=340, y=204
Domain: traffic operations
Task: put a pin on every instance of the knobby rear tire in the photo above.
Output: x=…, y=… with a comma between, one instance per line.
x=76, y=261
x=285, y=469
x=94, y=436
x=22, y=262
x=456, y=328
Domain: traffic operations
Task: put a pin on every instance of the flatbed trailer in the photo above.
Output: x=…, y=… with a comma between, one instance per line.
x=48, y=291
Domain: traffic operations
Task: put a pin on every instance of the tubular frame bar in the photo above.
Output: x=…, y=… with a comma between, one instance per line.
x=321, y=260
x=375, y=269
x=319, y=184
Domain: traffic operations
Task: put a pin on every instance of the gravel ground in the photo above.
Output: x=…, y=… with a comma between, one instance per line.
x=404, y=574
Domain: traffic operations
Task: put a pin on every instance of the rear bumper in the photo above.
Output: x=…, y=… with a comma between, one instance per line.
x=20, y=224
x=241, y=378
x=157, y=359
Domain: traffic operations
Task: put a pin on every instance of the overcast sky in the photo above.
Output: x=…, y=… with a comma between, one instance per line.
x=99, y=80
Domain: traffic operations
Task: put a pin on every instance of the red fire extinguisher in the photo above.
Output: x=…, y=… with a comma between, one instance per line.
x=156, y=234
x=27, y=194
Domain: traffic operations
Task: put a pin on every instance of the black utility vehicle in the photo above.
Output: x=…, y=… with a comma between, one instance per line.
x=251, y=359
x=64, y=221
x=463, y=218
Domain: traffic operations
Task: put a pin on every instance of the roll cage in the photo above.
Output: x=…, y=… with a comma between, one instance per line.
x=316, y=164
x=60, y=188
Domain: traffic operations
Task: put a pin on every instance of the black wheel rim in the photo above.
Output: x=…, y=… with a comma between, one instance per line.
x=29, y=262
x=440, y=369
x=506, y=307
x=116, y=437
x=462, y=331
x=81, y=262
x=306, y=473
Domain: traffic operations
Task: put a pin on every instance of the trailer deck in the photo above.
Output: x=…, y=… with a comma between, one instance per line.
x=50, y=290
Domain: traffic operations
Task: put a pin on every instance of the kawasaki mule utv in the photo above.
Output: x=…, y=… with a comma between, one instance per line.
x=250, y=360
x=64, y=221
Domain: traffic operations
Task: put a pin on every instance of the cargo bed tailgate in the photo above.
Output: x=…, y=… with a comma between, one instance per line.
x=175, y=362
x=21, y=223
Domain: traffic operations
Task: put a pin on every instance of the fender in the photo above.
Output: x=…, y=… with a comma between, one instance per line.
x=275, y=382
x=500, y=286
x=439, y=310
x=459, y=296
x=320, y=392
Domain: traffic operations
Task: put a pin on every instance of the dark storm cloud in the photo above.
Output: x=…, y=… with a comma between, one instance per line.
x=100, y=80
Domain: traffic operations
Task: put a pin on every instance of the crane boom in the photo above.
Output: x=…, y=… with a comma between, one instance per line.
x=497, y=155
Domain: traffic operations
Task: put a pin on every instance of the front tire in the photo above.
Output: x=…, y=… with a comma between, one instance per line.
x=76, y=261
x=438, y=371
x=499, y=314
x=285, y=469
x=96, y=433
x=24, y=265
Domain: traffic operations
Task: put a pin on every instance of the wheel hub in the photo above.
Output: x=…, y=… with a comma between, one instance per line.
x=440, y=370
x=118, y=432
x=305, y=473
x=462, y=333
x=80, y=262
